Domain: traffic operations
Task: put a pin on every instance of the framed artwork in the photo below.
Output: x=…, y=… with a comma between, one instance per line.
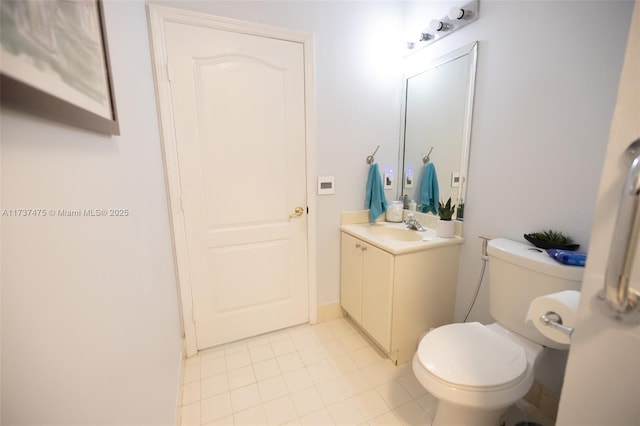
x=54, y=62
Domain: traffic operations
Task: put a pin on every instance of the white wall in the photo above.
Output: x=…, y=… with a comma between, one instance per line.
x=545, y=90
x=358, y=92
x=90, y=325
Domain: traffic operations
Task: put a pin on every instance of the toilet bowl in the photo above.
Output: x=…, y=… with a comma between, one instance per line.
x=477, y=372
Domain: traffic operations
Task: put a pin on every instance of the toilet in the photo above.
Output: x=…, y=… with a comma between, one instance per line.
x=478, y=371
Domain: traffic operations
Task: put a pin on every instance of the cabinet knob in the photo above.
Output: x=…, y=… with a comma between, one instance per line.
x=358, y=245
x=364, y=248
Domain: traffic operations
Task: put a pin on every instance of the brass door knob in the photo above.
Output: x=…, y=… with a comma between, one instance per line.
x=297, y=212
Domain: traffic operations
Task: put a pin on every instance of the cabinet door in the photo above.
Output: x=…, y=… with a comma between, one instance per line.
x=351, y=276
x=377, y=294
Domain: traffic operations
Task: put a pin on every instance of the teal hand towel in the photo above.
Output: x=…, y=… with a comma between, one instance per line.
x=375, y=200
x=430, y=192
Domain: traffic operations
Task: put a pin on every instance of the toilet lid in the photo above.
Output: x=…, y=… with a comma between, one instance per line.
x=470, y=354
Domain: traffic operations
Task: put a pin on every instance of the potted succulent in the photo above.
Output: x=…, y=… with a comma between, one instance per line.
x=445, y=227
x=551, y=240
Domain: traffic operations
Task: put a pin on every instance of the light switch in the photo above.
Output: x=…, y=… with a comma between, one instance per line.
x=408, y=179
x=455, y=180
x=326, y=185
x=388, y=180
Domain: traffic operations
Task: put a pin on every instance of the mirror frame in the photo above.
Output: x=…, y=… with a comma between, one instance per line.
x=471, y=50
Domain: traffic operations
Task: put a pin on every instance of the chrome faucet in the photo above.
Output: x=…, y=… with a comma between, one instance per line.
x=412, y=223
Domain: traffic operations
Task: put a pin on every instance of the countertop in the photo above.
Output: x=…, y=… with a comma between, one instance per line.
x=391, y=237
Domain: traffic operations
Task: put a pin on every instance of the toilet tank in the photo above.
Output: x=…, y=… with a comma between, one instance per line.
x=518, y=273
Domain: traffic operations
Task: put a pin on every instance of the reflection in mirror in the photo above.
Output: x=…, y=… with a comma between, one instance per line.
x=438, y=109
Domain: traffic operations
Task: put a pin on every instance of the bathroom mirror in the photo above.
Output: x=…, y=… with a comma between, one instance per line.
x=437, y=111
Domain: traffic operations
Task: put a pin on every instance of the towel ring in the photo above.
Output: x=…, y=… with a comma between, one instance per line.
x=426, y=158
x=370, y=158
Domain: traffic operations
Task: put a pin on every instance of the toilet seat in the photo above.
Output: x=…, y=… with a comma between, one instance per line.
x=476, y=357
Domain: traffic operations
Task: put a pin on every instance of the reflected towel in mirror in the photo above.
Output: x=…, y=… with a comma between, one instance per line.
x=430, y=192
x=375, y=199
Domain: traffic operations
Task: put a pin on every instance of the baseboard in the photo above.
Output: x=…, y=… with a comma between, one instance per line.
x=329, y=311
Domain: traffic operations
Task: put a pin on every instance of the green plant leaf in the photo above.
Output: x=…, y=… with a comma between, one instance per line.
x=552, y=236
x=445, y=211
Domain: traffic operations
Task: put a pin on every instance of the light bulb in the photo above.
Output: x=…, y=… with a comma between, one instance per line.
x=436, y=25
x=456, y=13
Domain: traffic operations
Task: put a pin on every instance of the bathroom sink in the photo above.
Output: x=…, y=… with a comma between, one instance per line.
x=394, y=237
x=395, y=233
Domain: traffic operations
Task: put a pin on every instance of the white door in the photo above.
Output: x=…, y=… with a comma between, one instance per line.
x=602, y=381
x=238, y=111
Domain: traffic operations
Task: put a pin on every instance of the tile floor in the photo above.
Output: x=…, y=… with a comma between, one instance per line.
x=326, y=374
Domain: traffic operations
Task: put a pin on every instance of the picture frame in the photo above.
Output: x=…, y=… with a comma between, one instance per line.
x=55, y=63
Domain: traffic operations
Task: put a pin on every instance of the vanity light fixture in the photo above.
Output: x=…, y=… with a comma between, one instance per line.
x=457, y=18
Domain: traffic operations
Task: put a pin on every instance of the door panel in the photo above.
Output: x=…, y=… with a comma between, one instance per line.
x=239, y=114
x=351, y=276
x=240, y=99
x=229, y=266
x=377, y=294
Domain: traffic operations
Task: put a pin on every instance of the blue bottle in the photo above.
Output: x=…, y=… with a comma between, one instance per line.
x=566, y=257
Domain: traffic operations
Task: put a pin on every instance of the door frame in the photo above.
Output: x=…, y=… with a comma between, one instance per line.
x=158, y=16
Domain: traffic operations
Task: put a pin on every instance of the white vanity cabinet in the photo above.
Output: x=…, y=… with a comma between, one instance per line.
x=395, y=298
x=367, y=274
